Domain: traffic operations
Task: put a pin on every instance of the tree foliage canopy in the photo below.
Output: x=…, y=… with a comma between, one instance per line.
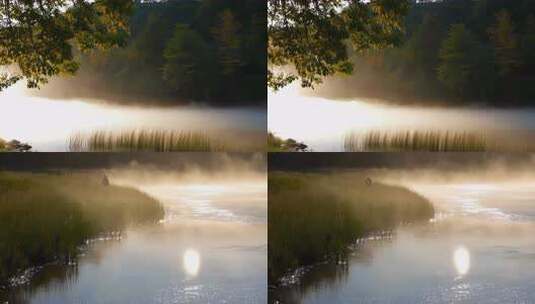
x=456, y=55
x=455, y=51
x=37, y=36
x=503, y=36
x=186, y=61
x=179, y=51
x=311, y=36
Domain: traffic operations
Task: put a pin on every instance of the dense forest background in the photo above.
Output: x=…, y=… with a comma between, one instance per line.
x=455, y=52
x=210, y=51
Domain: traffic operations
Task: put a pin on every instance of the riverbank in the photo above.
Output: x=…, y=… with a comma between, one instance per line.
x=46, y=217
x=479, y=249
x=316, y=217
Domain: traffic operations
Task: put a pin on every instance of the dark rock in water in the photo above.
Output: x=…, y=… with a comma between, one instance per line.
x=105, y=181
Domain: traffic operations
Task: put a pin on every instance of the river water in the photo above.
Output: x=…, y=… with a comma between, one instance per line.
x=210, y=248
x=479, y=249
x=47, y=124
x=324, y=125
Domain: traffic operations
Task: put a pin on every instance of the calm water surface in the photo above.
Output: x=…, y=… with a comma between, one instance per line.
x=210, y=248
x=479, y=249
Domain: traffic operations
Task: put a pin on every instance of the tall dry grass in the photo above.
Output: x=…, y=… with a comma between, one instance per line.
x=431, y=141
x=143, y=140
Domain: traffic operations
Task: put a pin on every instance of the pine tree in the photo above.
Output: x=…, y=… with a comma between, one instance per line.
x=226, y=34
x=457, y=65
x=505, y=44
x=528, y=42
x=185, y=68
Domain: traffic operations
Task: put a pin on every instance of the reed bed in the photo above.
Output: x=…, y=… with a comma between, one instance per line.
x=46, y=217
x=432, y=141
x=316, y=217
x=143, y=140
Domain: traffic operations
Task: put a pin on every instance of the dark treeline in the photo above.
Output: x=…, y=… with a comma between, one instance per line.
x=211, y=51
x=165, y=161
x=444, y=161
x=455, y=51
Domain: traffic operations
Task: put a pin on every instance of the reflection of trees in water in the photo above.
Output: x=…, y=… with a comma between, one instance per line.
x=57, y=277
x=329, y=275
x=323, y=276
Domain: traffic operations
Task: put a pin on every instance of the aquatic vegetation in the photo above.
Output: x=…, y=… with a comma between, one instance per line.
x=277, y=144
x=432, y=141
x=144, y=140
x=315, y=217
x=46, y=217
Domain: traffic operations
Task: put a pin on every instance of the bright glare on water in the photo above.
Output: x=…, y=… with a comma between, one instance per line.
x=461, y=260
x=192, y=262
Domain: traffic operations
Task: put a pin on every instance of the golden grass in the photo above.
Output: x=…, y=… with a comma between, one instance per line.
x=144, y=140
x=432, y=141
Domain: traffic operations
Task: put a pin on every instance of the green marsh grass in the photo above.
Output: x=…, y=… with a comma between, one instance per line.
x=315, y=217
x=144, y=140
x=432, y=141
x=46, y=217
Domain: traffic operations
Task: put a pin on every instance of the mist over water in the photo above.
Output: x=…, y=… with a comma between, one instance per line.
x=324, y=124
x=479, y=248
x=47, y=124
x=197, y=254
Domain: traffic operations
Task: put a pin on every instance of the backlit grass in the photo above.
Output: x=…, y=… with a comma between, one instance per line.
x=314, y=217
x=46, y=217
x=144, y=140
x=432, y=141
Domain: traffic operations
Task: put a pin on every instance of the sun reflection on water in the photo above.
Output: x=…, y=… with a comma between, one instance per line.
x=191, y=262
x=461, y=260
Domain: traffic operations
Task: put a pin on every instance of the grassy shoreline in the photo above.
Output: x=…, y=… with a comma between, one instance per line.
x=45, y=218
x=315, y=217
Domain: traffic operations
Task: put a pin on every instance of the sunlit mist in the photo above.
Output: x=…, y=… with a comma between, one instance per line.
x=47, y=124
x=461, y=260
x=323, y=123
x=191, y=262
